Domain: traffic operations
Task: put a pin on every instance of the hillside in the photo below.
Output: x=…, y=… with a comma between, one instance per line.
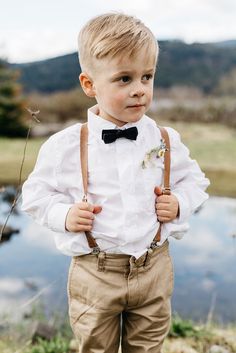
x=51, y=75
x=198, y=65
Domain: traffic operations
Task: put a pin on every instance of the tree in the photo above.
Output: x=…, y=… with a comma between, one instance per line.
x=11, y=103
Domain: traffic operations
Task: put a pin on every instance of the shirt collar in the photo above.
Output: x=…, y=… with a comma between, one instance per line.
x=96, y=124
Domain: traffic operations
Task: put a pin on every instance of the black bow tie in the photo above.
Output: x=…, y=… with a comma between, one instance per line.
x=111, y=135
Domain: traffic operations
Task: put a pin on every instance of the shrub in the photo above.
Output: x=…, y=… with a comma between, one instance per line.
x=56, y=345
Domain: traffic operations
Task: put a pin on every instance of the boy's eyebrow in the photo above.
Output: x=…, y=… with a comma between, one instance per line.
x=125, y=72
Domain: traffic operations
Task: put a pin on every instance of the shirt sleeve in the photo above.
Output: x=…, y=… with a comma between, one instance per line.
x=41, y=197
x=188, y=182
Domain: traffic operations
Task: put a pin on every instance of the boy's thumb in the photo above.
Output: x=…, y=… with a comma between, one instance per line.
x=158, y=191
x=97, y=209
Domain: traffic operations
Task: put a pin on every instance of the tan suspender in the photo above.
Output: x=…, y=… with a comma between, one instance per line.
x=166, y=178
x=84, y=170
x=165, y=136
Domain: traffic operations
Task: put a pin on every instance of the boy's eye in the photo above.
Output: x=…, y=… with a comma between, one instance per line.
x=147, y=77
x=125, y=79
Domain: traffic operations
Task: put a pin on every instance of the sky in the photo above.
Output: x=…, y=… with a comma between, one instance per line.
x=33, y=30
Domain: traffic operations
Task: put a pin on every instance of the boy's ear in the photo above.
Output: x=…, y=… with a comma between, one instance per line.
x=87, y=84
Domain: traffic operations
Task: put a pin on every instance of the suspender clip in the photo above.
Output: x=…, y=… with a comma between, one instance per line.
x=153, y=245
x=166, y=191
x=84, y=199
x=96, y=250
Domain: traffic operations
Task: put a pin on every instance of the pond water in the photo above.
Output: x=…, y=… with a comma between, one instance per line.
x=32, y=270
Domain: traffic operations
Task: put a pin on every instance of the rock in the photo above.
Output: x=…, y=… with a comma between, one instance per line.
x=43, y=331
x=227, y=336
x=218, y=349
x=177, y=345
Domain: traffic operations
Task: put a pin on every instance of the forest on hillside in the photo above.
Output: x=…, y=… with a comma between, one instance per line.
x=195, y=65
x=194, y=82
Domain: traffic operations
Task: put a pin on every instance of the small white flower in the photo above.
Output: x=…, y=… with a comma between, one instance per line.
x=153, y=154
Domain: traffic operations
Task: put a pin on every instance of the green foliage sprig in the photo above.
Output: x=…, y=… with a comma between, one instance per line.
x=56, y=345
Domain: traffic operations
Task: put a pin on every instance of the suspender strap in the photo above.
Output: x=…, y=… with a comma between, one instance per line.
x=84, y=169
x=165, y=136
x=166, y=179
x=84, y=158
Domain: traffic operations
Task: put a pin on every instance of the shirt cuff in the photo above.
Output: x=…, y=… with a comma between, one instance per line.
x=57, y=217
x=184, y=210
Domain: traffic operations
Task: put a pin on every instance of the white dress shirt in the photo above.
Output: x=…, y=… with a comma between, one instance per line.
x=117, y=181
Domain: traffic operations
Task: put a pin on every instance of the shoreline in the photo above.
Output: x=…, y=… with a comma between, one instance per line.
x=222, y=181
x=213, y=146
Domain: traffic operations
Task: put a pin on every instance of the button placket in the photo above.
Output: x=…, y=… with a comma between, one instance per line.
x=126, y=176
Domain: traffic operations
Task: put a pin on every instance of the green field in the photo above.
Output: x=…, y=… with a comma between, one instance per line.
x=212, y=145
x=11, y=154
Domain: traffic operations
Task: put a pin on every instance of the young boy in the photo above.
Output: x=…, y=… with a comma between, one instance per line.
x=122, y=289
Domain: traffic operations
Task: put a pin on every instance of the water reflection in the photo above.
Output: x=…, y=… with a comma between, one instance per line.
x=204, y=264
x=7, y=196
x=7, y=233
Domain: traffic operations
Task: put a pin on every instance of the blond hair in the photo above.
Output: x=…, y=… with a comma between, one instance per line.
x=112, y=34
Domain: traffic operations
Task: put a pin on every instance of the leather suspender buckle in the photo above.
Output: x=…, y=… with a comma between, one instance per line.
x=96, y=250
x=166, y=191
x=153, y=245
x=84, y=199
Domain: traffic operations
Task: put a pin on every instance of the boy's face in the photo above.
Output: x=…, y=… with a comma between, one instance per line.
x=123, y=87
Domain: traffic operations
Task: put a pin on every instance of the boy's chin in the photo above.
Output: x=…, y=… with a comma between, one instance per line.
x=134, y=119
x=125, y=120
x=130, y=120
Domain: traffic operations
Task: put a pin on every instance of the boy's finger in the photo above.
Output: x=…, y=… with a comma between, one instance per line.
x=89, y=207
x=163, y=219
x=86, y=214
x=85, y=206
x=85, y=221
x=157, y=190
x=163, y=213
x=163, y=198
x=83, y=228
x=97, y=209
x=162, y=206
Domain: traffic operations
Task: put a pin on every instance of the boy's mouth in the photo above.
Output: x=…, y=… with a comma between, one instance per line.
x=136, y=106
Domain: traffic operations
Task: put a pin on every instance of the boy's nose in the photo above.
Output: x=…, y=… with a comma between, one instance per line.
x=137, y=93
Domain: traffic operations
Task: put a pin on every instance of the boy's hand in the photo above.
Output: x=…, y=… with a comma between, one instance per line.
x=80, y=217
x=167, y=206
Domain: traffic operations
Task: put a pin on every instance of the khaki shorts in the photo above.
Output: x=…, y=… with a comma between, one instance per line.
x=116, y=299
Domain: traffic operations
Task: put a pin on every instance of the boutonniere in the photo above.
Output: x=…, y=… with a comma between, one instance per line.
x=154, y=154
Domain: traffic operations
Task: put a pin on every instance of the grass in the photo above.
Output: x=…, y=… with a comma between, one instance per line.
x=56, y=345
x=212, y=145
x=185, y=336
x=11, y=157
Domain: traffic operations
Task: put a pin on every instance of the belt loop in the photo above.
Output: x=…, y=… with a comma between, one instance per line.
x=101, y=261
x=148, y=257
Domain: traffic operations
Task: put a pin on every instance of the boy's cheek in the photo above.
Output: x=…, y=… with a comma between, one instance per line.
x=120, y=98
